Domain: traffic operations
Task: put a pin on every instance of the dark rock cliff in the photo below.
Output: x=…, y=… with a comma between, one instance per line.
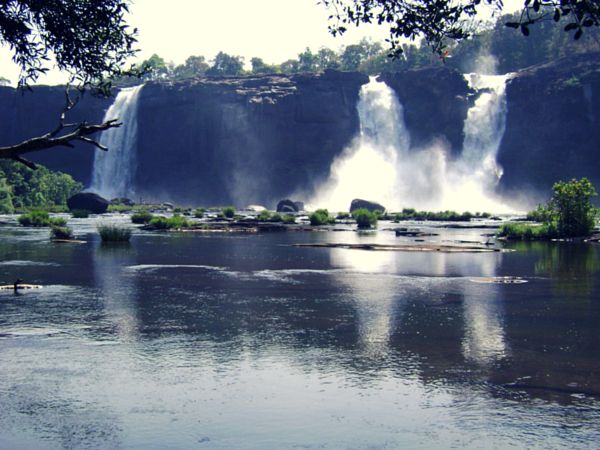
x=552, y=126
x=210, y=141
x=243, y=140
x=435, y=102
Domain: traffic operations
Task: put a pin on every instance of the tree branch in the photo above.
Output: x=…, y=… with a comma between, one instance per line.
x=53, y=139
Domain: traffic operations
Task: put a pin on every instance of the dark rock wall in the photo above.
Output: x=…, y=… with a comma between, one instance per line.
x=552, y=127
x=243, y=140
x=435, y=102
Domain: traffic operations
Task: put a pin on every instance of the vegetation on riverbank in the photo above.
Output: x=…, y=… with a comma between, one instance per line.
x=40, y=219
x=569, y=213
x=442, y=216
x=23, y=189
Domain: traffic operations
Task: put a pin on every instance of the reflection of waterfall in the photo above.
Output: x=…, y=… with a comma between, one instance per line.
x=114, y=170
x=117, y=289
x=380, y=166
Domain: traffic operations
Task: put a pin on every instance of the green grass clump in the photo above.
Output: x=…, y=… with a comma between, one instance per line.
x=114, y=233
x=199, y=213
x=263, y=216
x=520, y=231
x=288, y=218
x=321, y=217
x=445, y=216
x=365, y=218
x=40, y=219
x=61, y=233
x=142, y=216
x=164, y=223
x=229, y=212
x=119, y=208
x=80, y=213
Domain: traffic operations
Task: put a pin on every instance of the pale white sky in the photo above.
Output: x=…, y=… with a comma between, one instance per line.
x=274, y=30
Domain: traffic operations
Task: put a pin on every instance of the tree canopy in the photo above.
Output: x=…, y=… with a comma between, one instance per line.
x=441, y=21
x=86, y=38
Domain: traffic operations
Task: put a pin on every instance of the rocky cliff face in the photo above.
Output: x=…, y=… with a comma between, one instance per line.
x=211, y=141
x=435, y=102
x=552, y=126
x=243, y=140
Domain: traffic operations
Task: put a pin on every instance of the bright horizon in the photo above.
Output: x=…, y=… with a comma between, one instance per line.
x=274, y=30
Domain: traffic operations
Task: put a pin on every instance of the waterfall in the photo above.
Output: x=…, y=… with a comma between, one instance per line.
x=114, y=170
x=380, y=165
x=367, y=168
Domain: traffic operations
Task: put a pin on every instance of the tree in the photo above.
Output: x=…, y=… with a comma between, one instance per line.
x=572, y=208
x=88, y=39
x=307, y=62
x=441, y=21
x=226, y=65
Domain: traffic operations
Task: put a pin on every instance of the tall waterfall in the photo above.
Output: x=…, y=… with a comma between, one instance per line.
x=380, y=165
x=114, y=170
x=367, y=168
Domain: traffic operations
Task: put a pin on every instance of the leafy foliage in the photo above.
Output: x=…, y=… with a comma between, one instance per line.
x=40, y=188
x=441, y=21
x=572, y=208
x=88, y=39
x=57, y=232
x=364, y=218
x=40, y=219
x=520, y=231
x=143, y=216
x=229, y=212
x=444, y=216
x=321, y=217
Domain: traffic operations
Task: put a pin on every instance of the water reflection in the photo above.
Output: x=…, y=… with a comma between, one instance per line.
x=375, y=298
x=117, y=288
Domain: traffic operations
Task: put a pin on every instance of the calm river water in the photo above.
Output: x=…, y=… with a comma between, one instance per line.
x=244, y=341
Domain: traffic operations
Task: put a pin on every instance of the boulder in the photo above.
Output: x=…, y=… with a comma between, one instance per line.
x=287, y=206
x=88, y=201
x=358, y=203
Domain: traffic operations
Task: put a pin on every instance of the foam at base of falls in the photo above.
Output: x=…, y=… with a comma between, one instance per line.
x=114, y=170
x=381, y=166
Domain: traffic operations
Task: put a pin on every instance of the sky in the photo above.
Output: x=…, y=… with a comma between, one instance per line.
x=275, y=30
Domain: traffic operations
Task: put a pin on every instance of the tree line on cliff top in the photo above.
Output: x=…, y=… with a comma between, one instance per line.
x=510, y=50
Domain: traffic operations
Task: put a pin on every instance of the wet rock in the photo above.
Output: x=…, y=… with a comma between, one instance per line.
x=287, y=206
x=358, y=203
x=88, y=201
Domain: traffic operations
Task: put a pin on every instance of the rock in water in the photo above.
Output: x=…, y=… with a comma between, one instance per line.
x=358, y=203
x=88, y=201
x=287, y=206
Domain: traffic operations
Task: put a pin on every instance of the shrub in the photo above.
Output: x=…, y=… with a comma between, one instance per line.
x=276, y=218
x=540, y=214
x=61, y=233
x=114, y=233
x=264, y=216
x=364, y=218
x=288, y=218
x=80, y=213
x=572, y=208
x=163, y=223
x=119, y=208
x=229, y=212
x=199, y=213
x=321, y=217
x=159, y=222
x=519, y=231
x=342, y=215
x=142, y=216
x=40, y=219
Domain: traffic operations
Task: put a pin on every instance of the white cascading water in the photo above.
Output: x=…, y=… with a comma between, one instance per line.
x=380, y=166
x=114, y=170
x=367, y=168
